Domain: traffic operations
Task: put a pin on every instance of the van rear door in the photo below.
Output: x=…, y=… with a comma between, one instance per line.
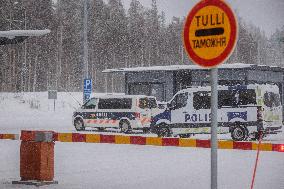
x=272, y=109
x=89, y=110
x=147, y=108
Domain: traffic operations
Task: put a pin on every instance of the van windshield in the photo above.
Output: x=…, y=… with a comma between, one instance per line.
x=90, y=104
x=271, y=99
x=147, y=103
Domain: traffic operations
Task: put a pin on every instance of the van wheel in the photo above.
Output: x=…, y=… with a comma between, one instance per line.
x=125, y=126
x=239, y=133
x=79, y=124
x=164, y=131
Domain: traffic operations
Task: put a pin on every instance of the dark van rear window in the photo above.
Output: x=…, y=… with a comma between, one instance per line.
x=146, y=103
x=115, y=103
x=271, y=99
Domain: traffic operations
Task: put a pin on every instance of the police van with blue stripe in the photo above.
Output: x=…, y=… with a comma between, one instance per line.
x=125, y=112
x=243, y=111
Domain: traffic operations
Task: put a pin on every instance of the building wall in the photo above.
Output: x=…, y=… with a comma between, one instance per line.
x=150, y=78
x=265, y=76
x=171, y=79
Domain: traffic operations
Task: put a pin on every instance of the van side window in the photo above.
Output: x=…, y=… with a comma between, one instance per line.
x=115, y=103
x=179, y=101
x=91, y=104
x=236, y=97
x=201, y=100
x=247, y=97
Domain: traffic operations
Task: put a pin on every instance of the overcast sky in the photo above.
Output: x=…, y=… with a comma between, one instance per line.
x=266, y=14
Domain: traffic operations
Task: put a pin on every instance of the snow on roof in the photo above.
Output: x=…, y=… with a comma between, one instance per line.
x=174, y=67
x=13, y=33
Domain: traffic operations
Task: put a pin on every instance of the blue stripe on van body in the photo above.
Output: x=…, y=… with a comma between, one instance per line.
x=166, y=115
x=241, y=115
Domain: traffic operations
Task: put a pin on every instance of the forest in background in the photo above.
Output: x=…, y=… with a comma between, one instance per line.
x=117, y=38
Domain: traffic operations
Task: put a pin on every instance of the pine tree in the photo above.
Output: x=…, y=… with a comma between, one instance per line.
x=136, y=24
x=69, y=35
x=152, y=32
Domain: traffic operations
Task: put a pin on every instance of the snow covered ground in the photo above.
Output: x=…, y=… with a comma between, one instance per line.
x=80, y=165
x=106, y=166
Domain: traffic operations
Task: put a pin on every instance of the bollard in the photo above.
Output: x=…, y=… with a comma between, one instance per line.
x=36, y=158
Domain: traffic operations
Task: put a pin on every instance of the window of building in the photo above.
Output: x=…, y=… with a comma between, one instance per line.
x=149, y=89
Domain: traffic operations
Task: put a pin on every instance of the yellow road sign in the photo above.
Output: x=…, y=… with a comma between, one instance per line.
x=210, y=33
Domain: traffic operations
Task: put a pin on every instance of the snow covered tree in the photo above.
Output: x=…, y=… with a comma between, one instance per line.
x=69, y=35
x=136, y=25
x=152, y=35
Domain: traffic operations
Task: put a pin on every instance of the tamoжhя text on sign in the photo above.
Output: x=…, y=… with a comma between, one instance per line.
x=211, y=20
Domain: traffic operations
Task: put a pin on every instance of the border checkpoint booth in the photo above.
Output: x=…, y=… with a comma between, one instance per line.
x=164, y=81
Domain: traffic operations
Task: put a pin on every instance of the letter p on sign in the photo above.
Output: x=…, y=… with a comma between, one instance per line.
x=88, y=84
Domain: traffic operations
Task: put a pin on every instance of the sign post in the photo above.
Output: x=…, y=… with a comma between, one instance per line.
x=210, y=35
x=87, y=89
x=87, y=82
x=52, y=94
x=214, y=128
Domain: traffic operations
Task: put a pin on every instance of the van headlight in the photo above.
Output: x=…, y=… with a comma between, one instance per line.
x=75, y=114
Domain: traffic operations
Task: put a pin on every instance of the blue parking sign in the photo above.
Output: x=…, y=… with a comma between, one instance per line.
x=87, y=89
x=87, y=85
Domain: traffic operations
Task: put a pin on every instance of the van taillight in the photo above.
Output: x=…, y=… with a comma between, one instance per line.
x=137, y=103
x=137, y=115
x=259, y=114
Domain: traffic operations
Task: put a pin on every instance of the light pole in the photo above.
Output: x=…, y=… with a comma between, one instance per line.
x=86, y=66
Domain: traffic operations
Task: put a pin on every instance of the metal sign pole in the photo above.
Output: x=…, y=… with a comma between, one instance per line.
x=85, y=43
x=54, y=105
x=214, y=127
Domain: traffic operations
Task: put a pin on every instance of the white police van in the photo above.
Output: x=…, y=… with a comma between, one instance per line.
x=243, y=111
x=126, y=112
